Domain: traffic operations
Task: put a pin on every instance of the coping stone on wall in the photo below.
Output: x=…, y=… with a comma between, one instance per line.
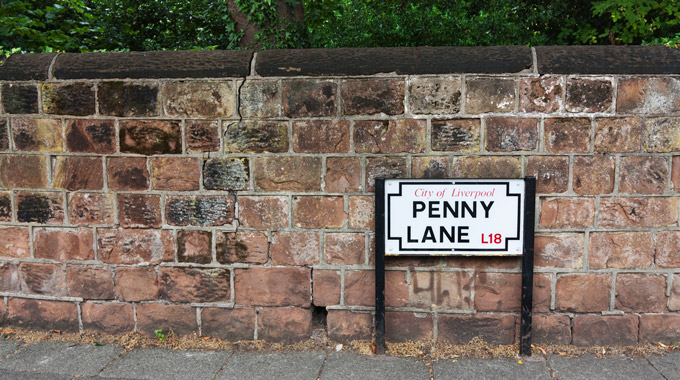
x=402, y=61
x=607, y=60
x=154, y=64
x=26, y=66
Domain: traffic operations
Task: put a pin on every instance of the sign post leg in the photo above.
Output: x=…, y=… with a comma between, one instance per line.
x=527, y=265
x=379, y=266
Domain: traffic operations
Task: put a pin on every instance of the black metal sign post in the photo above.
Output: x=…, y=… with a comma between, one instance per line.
x=379, y=266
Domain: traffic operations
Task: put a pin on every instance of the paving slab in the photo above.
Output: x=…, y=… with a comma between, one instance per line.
x=154, y=363
x=668, y=365
x=280, y=366
x=21, y=375
x=7, y=347
x=61, y=358
x=588, y=367
x=340, y=366
x=490, y=369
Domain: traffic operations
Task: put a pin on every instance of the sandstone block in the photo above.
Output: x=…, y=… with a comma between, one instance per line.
x=361, y=212
x=605, y=330
x=384, y=167
x=540, y=94
x=176, y=318
x=20, y=98
x=42, y=135
x=175, y=173
x=567, y=135
x=108, y=318
x=127, y=99
x=194, y=246
x=273, y=286
x=360, y=288
x=326, y=288
x=309, y=98
x=346, y=326
x=284, y=324
x=618, y=135
x=23, y=171
x=88, y=209
x=209, y=99
x=199, y=210
x=667, y=249
x=150, y=137
x=441, y=290
x=430, y=167
x=403, y=326
x=588, y=95
x=344, y=249
x=552, y=173
x=14, y=242
x=226, y=174
x=461, y=329
x=43, y=315
x=203, y=136
x=263, y=213
x=68, y=99
x=321, y=136
x=287, y=173
x=643, y=175
x=91, y=136
x=256, y=137
x=582, y=293
x=662, y=134
x=295, y=248
x=194, y=285
x=489, y=95
x=135, y=246
x=643, y=293
x=390, y=136
x=551, y=329
x=5, y=207
x=638, y=212
x=628, y=250
x=63, y=245
x=593, y=174
x=498, y=291
x=559, y=251
x=229, y=324
x=94, y=283
x=260, y=98
x=487, y=167
x=648, y=95
x=343, y=175
x=576, y=213
x=139, y=211
x=456, y=135
x=434, y=95
x=505, y=134
x=319, y=212
x=134, y=284
x=128, y=173
x=78, y=173
x=45, y=279
x=373, y=96
x=40, y=207
x=664, y=328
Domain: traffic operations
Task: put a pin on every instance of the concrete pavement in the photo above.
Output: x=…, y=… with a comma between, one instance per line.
x=57, y=361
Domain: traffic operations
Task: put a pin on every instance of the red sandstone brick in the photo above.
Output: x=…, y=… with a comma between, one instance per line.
x=636, y=292
x=94, y=283
x=461, y=329
x=41, y=135
x=203, y=136
x=662, y=134
x=643, y=175
x=360, y=288
x=272, y=286
x=45, y=279
x=43, y=315
x=638, y=212
x=64, y=245
x=87, y=209
x=176, y=318
x=668, y=249
x=567, y=135
x=373, y=96
x=23, y=171
x=384, y=167
x=135, y=284
x=78, y=173
x=287, y=173
x=149, y=137
x=361, y=212
x=139, y=210
x=127, y=173
x=489, y=95
x=626, y=250
x=588, y=95
x=175, y=173
x=194, y=246
x=14, y=242
x=552, y=173
x=647, y=95
x=241, y=247
x=559, y=251
x=675, y=173
x=122, y=246
x=498, y=291
x=319, y=212
x=326, y=287
x=108, y=318
x=542, y=293
x=295, y=248
x=593, y=175
x=430, y=167
x=40, y=207
x=284, y=324
x=572, y=213
x=309, y=98
x=390, y=136
x=343, y=175
x=185, y=285
x=263, y=213
x=403, y=326
x=321, y=136
x=229, y=324
x=551, y=329
x=6, y=212
x=441, y=290
x=582, y=293
x=605, y=330
x=199, y=99
x=511, y=134
x=540, y=94
x=619, y=135
x=9, y=277
x=674, y=301
x=664, y=328
x=344, y=249
x=91, y=136
x=345, y=326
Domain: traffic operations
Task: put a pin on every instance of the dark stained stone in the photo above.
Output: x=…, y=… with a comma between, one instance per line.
x=150, y=137
x=5, y=208
x=40, y=208
x=4, y=139
x=94, y=136
x=26, y=66
x=68, y=99
x=401, y=60
x=127, y=99
x=256, y=137
x=154, y=64
x=226, y=174
x=19, y=98
x=607, y=60
x=200, y=210
x=309, y=98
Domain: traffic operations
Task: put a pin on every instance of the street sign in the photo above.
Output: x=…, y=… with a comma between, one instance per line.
x=454, y=217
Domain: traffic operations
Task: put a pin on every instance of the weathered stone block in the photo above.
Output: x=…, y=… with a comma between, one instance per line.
x=551, y=329
x=461, y=329
x=343, y=175
x=327, y=288
x=567, y=135
x=91, y=136
x=14, y=242
x=489, y=95
x=559, y=251
x=430, y=167
x=203, y=136
x=44, y=135
x=441, y=290
x=78, y=173
x=674, y=301
x=582, y=293
x=404, y=326
x=108, y=318
x=498, y=291
x=194, y=246
x=194, y=285
x=134, y=284
x=360, y=288
x=45, y=279
x=373, y=96
x=95, y=283
x=118, y=246
x=390, y=136
x=127, y=173
x=63, y=245
x=295, y=248
x=284, y=324
x=309, y=98
x=361, y=212
x=23, y=171
x=20, y=98
x=205, y=210
x=384, y=167
x=179, y=319
x=241, y=247
x=256, y=137
x=574, y=213
x=139, y=210
x=663, y=328
x=210, y=99
x=150, y=137
x=4, y=135
x=641, y=292
x=40, y=207
x=273, y=286
x=229, y=324
x=626, y=250
x=593, y=174
x=675, y=173
x=440, y=95
x=68, y=99
x=9, y=277
x=344, y=249
x=456, y=135
x=605, y=330
x=618, y=135
x=643, y=175
x=505, y=134
x=175, y=173
x=263, y=213
x=321, y=136
x=43, y=315
x=552, y=173
x=226, y=174
x=5, y=207
x=662, y=134
x=638, y=212
x=667, y=250
x=487, y=167
x=287, y=173
x=127, y=99
x=260, y=98
x=540, y=94
x=346, y=326
x=588, y=95
x=648, y=95
x=319, y=212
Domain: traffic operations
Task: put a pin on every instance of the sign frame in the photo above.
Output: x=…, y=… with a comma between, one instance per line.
x=527, y=255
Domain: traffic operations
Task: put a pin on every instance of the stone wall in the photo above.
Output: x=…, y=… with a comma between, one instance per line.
x=231, y=193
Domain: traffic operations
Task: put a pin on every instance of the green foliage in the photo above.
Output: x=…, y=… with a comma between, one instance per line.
x=160, y=335
x=276, y=31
